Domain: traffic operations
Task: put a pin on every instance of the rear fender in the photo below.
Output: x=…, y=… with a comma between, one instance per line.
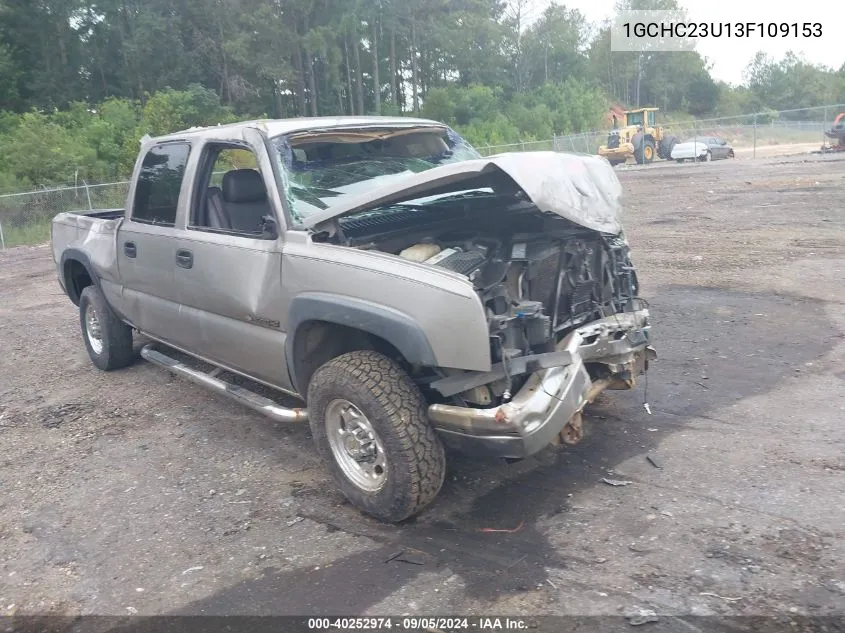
x=69, y=256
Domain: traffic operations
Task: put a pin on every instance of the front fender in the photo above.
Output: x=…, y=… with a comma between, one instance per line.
x=395, y=327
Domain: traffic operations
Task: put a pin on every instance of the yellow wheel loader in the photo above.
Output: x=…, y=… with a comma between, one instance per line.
x=639, y=139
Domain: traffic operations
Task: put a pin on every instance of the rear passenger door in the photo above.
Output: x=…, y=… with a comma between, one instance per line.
x=229, y=272
x=147, y=242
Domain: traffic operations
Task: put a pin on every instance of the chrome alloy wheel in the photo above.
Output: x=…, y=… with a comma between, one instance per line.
x=93, y=329
x=355, y=445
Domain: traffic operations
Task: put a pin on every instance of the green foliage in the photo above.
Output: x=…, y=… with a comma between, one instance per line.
x=82, y=81
x=171, y=110
x=40, y=150
x=791, y=83
x=488, y=116
x=95, y=144
x=496, y=131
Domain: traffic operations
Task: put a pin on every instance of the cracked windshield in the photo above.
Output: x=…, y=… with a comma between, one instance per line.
x=323, y=168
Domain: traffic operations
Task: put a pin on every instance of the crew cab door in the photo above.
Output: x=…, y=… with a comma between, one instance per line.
x=147, y=242
x=229, y=271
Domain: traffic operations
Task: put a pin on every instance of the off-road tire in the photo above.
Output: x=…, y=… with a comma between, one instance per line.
x=648, y=152
x=638, y=140
x=641, y=150
x=116, y=336
x=394, y=406
x=665, y=147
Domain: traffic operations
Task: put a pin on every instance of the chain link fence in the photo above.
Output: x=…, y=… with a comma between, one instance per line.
x=25, y=217
x=772, y=133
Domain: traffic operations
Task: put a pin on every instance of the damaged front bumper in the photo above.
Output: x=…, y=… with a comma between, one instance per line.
x=548, y=407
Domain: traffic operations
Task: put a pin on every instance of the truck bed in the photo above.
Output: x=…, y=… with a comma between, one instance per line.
x=96, y=229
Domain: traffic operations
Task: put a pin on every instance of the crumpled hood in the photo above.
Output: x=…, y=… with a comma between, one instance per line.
x=583, y=189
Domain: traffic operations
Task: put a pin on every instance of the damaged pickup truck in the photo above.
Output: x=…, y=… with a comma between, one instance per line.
x=408, y=293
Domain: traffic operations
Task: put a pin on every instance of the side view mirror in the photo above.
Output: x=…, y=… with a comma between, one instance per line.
x=269, y=228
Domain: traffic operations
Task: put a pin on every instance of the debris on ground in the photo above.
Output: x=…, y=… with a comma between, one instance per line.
x=641, y=616
x=506, y=531
x=654, y=461
x=411, y=557
x=615, y=482
x=190, y=569
x=716, y=595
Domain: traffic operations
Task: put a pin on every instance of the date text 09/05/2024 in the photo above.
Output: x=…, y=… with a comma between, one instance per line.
x=722, y=29
x=378, y=624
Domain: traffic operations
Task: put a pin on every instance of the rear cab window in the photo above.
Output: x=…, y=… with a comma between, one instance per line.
x=159, y=183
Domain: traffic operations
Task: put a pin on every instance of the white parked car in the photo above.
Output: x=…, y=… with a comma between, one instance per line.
x=705, y=148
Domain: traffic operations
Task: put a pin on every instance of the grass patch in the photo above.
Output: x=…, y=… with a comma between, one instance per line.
x=36, y=233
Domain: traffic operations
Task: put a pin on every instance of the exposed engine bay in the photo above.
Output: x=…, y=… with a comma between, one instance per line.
x=539, y=276
x=536, y=288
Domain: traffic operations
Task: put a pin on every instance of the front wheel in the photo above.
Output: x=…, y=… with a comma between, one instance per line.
x=369, y=423
x=107, y=338
x=645, y=152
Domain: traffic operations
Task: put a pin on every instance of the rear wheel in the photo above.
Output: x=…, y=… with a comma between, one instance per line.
x=369, y=423
x=107, y=338
x=666, y=145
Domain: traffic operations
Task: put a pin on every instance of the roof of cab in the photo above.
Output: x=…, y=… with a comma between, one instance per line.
x=276, y=127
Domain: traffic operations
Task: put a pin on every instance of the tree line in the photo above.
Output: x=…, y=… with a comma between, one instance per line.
x=81, y=80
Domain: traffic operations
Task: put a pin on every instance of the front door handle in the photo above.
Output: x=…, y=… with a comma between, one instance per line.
x=130, y=250
x=184, y=258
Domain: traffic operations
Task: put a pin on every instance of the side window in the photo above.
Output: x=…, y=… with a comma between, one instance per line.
x=231, y=196
x=159, y=183
x=229, y=159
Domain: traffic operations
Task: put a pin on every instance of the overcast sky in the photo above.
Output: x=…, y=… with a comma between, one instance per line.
x=730, y=57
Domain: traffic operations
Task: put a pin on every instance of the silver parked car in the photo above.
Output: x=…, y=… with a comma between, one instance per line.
x=406, y=292
x=705, y=148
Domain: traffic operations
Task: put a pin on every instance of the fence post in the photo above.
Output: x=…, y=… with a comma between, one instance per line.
x=824, y=125
x=88, y=193
x=754, y=154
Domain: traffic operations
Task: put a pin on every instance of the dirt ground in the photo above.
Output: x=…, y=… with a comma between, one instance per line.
x=137, y=492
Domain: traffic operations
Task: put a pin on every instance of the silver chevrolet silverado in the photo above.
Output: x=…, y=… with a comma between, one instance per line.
x=408, y=293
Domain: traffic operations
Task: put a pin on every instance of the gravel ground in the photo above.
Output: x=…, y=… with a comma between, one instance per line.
x=137, y=492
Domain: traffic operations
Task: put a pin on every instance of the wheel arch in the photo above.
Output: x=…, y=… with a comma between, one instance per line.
x=77, y=273
x=322, y=326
